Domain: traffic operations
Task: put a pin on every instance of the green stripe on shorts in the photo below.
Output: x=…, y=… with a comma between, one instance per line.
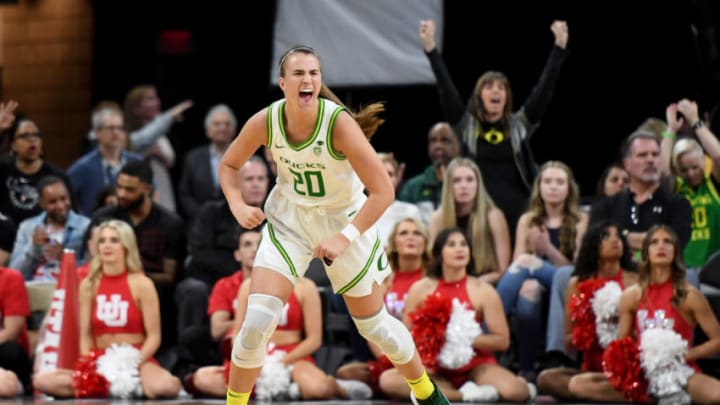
x=282, y=251
x=364, y=271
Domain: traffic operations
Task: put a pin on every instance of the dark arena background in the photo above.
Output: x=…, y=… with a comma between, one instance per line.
x=628, y=60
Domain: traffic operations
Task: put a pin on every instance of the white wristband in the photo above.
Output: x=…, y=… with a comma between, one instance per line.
x=350, y=232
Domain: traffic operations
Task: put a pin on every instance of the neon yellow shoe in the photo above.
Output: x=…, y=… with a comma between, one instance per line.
x=437, y=398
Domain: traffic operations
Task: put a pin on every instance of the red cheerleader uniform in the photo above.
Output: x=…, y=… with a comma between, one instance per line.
x=655, y=309
x=395, y=297
x=291, y=319
x=458, y=289
x=114, y=309
x=592, y=358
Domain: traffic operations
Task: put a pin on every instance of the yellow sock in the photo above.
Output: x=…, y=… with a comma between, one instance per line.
x=422, y=387
x=237, y=398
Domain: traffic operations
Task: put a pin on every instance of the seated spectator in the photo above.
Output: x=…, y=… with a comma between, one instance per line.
x=106, y=197
x=424, y=189
x=212, y=237
x=662, y=299
x=99, y=168
x=399, y=173
x=160, y=234
x=41, y=239
x=409, y=258
x=90, y=141
x=15, y=366
x=466, y=204
x=199, y=180
x=547, y=239
x=91, y=252
x=451, y=276
x=613, y=180
x=90, y=248
x=398, y=209
x=117, y=271
x=19, y=195
x=604, y=255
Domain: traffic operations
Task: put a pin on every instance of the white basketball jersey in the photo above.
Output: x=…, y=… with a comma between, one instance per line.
x=312, y=173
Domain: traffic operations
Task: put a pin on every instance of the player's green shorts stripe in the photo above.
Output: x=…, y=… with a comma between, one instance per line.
x=282, y=251
x=364, y=271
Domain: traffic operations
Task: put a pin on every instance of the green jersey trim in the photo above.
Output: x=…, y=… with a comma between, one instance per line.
x=333, y=153
x=282, y=251
x=713, y=190
x=364, y=271
x=309, y=141
x=684, y=188
x=269, y=125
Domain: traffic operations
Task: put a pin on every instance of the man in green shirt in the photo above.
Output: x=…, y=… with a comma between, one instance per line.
x=425, y=189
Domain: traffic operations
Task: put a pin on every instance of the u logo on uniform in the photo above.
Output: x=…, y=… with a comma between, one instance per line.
x=380, y=262
x=112, y=312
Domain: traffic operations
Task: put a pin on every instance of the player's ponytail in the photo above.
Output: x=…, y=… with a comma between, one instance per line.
x=368, y=116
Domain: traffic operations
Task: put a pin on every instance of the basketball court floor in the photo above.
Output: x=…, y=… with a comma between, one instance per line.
x=40, y=401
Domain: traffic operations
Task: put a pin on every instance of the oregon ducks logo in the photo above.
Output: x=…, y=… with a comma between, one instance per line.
x=494, y=136
x=382, y=262
x=317, y=150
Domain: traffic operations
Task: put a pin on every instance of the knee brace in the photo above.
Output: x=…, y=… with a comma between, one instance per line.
x=261, y=317
x=389, y=334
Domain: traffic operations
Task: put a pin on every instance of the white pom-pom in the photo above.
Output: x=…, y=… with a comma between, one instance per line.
x=662, y=357
x=461, y=331
x=678, y=398
x=119, y=364
x=605, y=303
x=274, y=379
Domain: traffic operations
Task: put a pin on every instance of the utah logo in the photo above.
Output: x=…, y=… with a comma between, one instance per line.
x=113, y=312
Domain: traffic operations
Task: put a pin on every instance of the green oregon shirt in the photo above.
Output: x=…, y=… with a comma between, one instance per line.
x=704, y=240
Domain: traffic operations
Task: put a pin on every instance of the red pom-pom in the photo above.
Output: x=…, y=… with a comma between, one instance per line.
x=582, y=315
x=377, y=367
x=87, y=382
x=429, y=322
x=621, y=363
